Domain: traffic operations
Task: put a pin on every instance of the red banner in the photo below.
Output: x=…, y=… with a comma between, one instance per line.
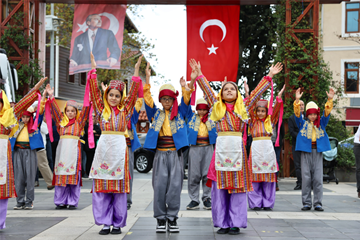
x=97, y=28
x=213, y=39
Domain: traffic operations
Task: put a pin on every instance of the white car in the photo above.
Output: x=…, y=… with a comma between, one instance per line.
x=8, y=76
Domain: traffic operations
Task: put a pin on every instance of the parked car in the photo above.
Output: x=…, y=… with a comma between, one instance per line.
x=8, y=76
x=349, y=142
x=143, y=158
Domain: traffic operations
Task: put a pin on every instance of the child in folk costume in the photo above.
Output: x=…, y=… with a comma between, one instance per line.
x=202, y=137
x=168, y=136
x=312, y=141
x=229, y=172
x=8, y=120
x=67, y=168
x=110, y=167
x=262, y=154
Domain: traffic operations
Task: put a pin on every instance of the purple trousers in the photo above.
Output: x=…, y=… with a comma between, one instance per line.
x=263, y=195
x=68, y=195
x=110, y=208
x=3, y=210
x=228, y=210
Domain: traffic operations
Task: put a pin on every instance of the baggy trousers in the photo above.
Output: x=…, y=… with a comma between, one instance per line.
x=312, y=175
x=131, y=168
x=167, y=183
x=44, y=168
x=263, y=195
x=199, y=161
x=68, y=195
x=25, y=168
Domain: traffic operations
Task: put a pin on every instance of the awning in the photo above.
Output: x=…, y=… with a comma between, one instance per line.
x=352, y=117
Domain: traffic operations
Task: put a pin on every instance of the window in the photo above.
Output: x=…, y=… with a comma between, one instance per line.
x=351, y=77
x=83, y=78
x=352, y=12
x=70, y=78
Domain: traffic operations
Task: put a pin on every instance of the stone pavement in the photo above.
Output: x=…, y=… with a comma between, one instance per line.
x=340, y=220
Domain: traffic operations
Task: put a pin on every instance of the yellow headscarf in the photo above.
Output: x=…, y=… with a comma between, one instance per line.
x=219, y=108
x=107, y=110
x=7, y=117
x=65, y=121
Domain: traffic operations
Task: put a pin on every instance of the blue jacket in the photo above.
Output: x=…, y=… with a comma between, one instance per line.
x=177, y=125
x=135, y=142
x=194, y=123
x=35, y=138
x=304, y=137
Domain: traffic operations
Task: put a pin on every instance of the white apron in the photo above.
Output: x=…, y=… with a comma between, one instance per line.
x=4, y=139
x=263, y=155
x=66, y=155
x=228, y=153
x=109, y=159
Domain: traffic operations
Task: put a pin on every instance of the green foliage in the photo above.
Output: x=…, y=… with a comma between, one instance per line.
x=28, y=75
x=346, y=158
x=336, y=129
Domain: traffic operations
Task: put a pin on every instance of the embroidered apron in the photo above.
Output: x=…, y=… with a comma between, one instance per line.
x=66, y=155
x=228, y=153
x=4, y=139
x=263, y=155
x=109, y=159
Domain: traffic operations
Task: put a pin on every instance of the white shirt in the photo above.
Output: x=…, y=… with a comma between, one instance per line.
x=90, y=33
x=44, y=131
x=357, y=136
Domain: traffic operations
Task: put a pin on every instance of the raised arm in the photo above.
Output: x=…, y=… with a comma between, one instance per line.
x=95, y=93
x=84, y=115
x=56, y=113
x=276, y=111
x=28, y=99
x=328, y=107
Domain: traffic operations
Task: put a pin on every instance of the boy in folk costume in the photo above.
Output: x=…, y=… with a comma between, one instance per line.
x=67, y=168
x=8, y=120
x=168, y=136
x=229, y=172
x=312, y=141
x=110, y=167
x=202, y=137
x=262, y=154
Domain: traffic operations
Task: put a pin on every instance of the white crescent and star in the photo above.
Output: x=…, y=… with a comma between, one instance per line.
x=114, y=23
x=212, y=22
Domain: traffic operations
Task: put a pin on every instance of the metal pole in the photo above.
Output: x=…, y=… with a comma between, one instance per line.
x=52, y=84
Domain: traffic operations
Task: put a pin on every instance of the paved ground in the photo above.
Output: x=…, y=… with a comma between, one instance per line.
x=340, y=220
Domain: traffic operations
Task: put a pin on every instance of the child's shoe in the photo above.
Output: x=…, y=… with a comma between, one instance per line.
x=207, y=204
x=234, y=231
x=161, y=226
x=319, y=208
x=306, y=208
x=192, y=205
x=29, y=206
x=172, y=226
x=19, y=206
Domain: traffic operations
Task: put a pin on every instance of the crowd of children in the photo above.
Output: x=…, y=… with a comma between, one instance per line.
x=218, y=160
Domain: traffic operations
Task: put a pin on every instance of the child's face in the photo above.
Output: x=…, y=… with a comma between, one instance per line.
x=229, y=92
x=202, y=112
x=166, y=102
x=261, y=112
x=70, y=112
x=25, y=119
x=312, y=117
x=114, y=97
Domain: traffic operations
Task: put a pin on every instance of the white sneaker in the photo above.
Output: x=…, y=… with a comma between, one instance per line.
x=161, y=226
x=173, y=227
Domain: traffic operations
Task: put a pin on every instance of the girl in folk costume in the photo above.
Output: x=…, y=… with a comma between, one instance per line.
x=110, y=168
x=229, y=172
x=8, y=120
x=67, y=168
x=262, y=154
x=168, y=136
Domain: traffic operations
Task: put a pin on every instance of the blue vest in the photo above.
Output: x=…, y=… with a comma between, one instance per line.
x=135, y=143
x=194, y=123
x=177, y=125
x=35, y=138
x=304, y=137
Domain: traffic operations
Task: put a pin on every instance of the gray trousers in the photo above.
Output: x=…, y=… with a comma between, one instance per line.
x=312, y=175
x=167, y=180
x=199, y=162
x=44, y=168
x=297, y=164
x=25, y=167
x=357, y=159
x=131, y=169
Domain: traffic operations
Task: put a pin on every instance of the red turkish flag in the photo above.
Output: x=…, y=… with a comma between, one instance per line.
x=213, y=39
x=97, y=28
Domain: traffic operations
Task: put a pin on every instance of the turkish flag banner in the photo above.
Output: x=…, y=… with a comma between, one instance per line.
x=97, y=28
x=213, y=39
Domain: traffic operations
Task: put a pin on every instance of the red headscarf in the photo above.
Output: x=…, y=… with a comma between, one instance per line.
x=170, y=93
x=317, y=112
x=31, y=121
x=203, y=106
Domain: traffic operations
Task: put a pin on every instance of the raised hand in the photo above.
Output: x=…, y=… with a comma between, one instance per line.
x=246, y=88
x=103, y=86
x=148, y=73
x=44, y=95
x=182, y=82
x=281, y=91
x=275, y=69
x=137, y=66
x=40, y=83
x=50, y=90
x=331, y=93
x=223, y=82
x=298, y=94
x=93, y=63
